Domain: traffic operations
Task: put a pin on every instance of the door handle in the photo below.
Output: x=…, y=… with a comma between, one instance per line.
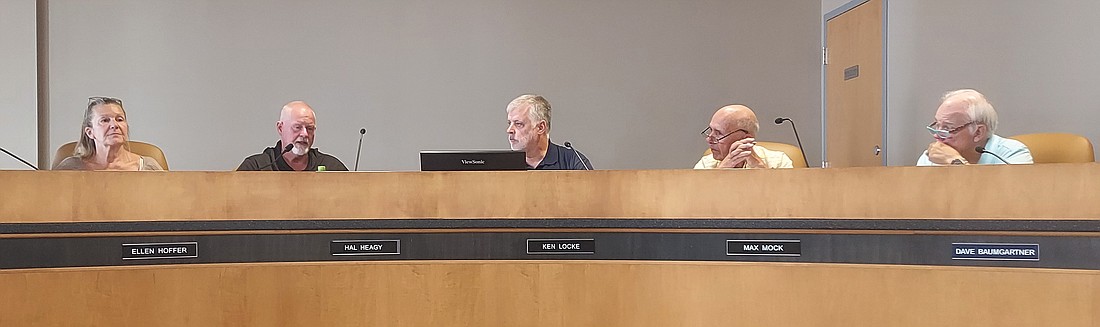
x=878, y=150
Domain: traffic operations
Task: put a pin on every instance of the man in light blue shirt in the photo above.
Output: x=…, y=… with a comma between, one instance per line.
x=964, y=127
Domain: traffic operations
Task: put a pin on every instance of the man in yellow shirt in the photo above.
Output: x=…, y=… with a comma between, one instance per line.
x=732, y=139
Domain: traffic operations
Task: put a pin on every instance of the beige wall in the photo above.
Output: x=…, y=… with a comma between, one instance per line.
x=632, y=83
x=18, y=83
x=1035, y=61
x=654, y=79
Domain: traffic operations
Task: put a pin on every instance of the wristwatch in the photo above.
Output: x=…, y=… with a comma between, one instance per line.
x=959, y=161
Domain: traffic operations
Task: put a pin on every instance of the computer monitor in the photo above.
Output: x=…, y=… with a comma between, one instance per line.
x=472, y=160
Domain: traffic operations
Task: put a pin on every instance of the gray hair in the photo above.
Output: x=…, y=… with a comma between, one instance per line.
x=751, y=124
x=748, y=123
x=540, y=107
x=977, y=107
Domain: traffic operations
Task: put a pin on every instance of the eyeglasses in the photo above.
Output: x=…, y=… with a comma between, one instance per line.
x=707, y=133
x=944, y=133
x=94, y=101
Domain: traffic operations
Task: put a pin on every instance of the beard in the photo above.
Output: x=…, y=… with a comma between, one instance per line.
x=517, y=145
x=300, y=146
x=299, y=149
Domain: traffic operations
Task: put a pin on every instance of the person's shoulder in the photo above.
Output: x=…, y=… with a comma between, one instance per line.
x=1010, y=143
x=255, y=161
x=257, y=156
x=772, y=153
x=266, y=154
x=325, y=156
x=566, y=153
x=706, y=162
x=570, y=158
x=1013, y=151
x=774, y=158
x=330, y=162
x=557, y=150
x=780, y=160
x=151, y=164
x=70, y=163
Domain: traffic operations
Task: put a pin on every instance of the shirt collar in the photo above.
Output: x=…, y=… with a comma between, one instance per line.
x=993, y=140
x=551, y=157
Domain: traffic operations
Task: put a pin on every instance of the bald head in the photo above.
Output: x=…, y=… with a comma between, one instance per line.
x=734, y=117
x=294, y=109
x=730, y=124
x=296, y=126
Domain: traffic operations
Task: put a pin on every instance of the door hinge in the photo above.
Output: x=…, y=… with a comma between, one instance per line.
x=824, y=56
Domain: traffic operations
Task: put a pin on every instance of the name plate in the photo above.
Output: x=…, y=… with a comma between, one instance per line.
x=561, y=246
x=174, y=250
x=365, y=247
x=778, y=248
x=995, y=251
x=851, y=72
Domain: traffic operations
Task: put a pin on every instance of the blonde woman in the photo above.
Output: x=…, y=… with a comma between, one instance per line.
x=104, y=135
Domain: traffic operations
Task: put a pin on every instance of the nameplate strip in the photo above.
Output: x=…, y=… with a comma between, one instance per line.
x=365, y=247
x=561, y=246
x=995, y=251
x=174, y=250
x=776, y=248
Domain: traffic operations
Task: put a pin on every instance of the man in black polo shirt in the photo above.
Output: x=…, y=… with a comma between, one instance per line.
x=529, y=131
x=296, y=127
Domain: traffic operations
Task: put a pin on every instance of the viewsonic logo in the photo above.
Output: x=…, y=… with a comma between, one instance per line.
x=473, y=162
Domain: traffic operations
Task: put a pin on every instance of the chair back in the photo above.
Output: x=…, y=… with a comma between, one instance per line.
x=791, y=150
x=1057, y=147
x=137, y=147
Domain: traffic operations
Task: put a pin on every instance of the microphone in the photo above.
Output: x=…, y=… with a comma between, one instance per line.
x=20, y=159
x=779, y=121
x=274, y=160
x=981, y=149
x=362, y=131
x=570, y=147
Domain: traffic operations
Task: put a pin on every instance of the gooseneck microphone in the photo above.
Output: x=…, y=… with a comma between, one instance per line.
x=362, y=131
x=18, y=158
x=981, y=149
x=276, y=158
x=779, y=121
x=570, y=147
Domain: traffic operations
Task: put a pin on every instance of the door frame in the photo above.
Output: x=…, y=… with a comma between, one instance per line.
x=885, y=114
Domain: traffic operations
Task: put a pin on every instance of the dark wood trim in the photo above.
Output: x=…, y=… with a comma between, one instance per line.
x=42, y=35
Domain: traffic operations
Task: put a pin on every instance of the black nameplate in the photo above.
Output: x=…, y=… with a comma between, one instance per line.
x=779, y=248
x=365, y=247
x=851, y=72
x=561, y=246
x=995, y=251
x=175, y=250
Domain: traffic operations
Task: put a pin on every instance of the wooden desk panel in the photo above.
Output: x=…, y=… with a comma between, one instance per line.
x=1054, y=191
x=541, y=293
x=554, y=292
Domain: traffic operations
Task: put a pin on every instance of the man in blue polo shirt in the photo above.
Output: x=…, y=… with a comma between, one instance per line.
x=529, y=131
x=965, y=122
